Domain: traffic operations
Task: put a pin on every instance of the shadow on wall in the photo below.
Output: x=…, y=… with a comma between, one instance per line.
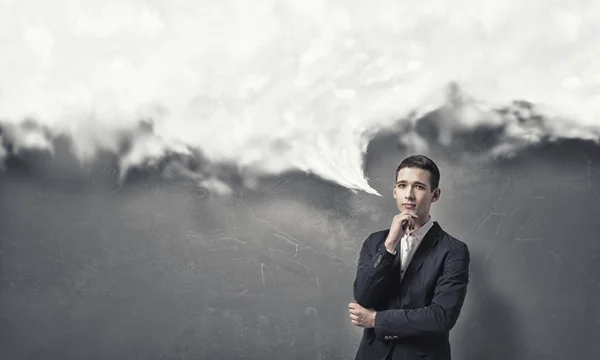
x=490, y=329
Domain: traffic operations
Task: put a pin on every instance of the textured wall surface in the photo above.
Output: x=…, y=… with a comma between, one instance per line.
x=157, y=270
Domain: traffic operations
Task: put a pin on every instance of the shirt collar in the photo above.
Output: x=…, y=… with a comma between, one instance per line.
x=422, y=231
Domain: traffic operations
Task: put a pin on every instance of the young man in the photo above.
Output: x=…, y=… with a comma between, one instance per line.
x=412, y=278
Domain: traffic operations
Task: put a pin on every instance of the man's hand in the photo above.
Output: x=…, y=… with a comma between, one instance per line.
x=396, y=230
x=362, y=317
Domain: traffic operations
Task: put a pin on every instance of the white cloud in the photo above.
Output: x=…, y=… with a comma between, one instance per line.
x=284, y=85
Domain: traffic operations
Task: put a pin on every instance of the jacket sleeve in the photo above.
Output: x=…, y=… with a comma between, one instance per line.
x=442, y=314
x=374, y=264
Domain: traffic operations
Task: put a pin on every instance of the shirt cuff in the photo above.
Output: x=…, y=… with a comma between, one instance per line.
x=392, y=252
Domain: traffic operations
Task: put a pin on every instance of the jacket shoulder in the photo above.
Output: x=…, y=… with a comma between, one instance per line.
x=453, y=242
x=380, y=233
x=377, y=236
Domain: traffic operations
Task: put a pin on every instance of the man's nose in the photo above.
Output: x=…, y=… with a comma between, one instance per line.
x=409, y=194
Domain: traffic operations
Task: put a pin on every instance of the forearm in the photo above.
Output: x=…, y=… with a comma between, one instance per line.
x=428, y=320
x=372, y=275
x=444, y=310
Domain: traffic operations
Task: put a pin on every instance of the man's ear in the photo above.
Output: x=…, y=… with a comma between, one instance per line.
x=436, y=195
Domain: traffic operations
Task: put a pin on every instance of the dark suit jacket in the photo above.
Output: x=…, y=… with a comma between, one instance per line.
x=414, y=317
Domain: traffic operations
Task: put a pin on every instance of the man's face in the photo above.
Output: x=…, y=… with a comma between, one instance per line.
x=413, y=194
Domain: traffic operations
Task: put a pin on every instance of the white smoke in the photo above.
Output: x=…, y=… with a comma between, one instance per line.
x=289, y=85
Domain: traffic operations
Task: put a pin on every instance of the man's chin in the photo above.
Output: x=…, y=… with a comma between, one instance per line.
x=408, y=210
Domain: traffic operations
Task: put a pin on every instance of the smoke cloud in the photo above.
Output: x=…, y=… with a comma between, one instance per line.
x=270, y=87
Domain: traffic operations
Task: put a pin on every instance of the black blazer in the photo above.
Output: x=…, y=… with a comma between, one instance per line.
x=414, y=317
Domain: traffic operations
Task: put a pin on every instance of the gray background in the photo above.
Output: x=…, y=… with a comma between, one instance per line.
x=163, y=270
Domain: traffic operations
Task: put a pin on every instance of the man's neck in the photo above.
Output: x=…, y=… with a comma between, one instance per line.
x=422, y=222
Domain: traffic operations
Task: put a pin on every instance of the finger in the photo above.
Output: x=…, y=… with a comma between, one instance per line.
x=359, y=324
x=408, y=222
x=354, y=317
x=412, y=224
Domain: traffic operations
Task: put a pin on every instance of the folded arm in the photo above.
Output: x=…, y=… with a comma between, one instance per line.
x=374, y=266
x=442, y=314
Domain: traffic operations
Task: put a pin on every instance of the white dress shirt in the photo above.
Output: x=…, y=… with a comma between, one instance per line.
x=410, y=243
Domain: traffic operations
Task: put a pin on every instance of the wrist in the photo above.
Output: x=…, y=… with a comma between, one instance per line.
x=391, y=246
x=373, y=319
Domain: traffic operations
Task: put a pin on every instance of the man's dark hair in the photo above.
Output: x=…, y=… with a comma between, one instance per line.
x=421, y=162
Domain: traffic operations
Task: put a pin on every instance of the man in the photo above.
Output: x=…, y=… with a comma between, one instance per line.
x=412, y=278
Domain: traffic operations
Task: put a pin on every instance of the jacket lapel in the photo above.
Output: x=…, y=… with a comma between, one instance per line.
x=430, y=240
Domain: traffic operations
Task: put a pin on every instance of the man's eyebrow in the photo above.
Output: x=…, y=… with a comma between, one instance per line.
x=416, y=182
